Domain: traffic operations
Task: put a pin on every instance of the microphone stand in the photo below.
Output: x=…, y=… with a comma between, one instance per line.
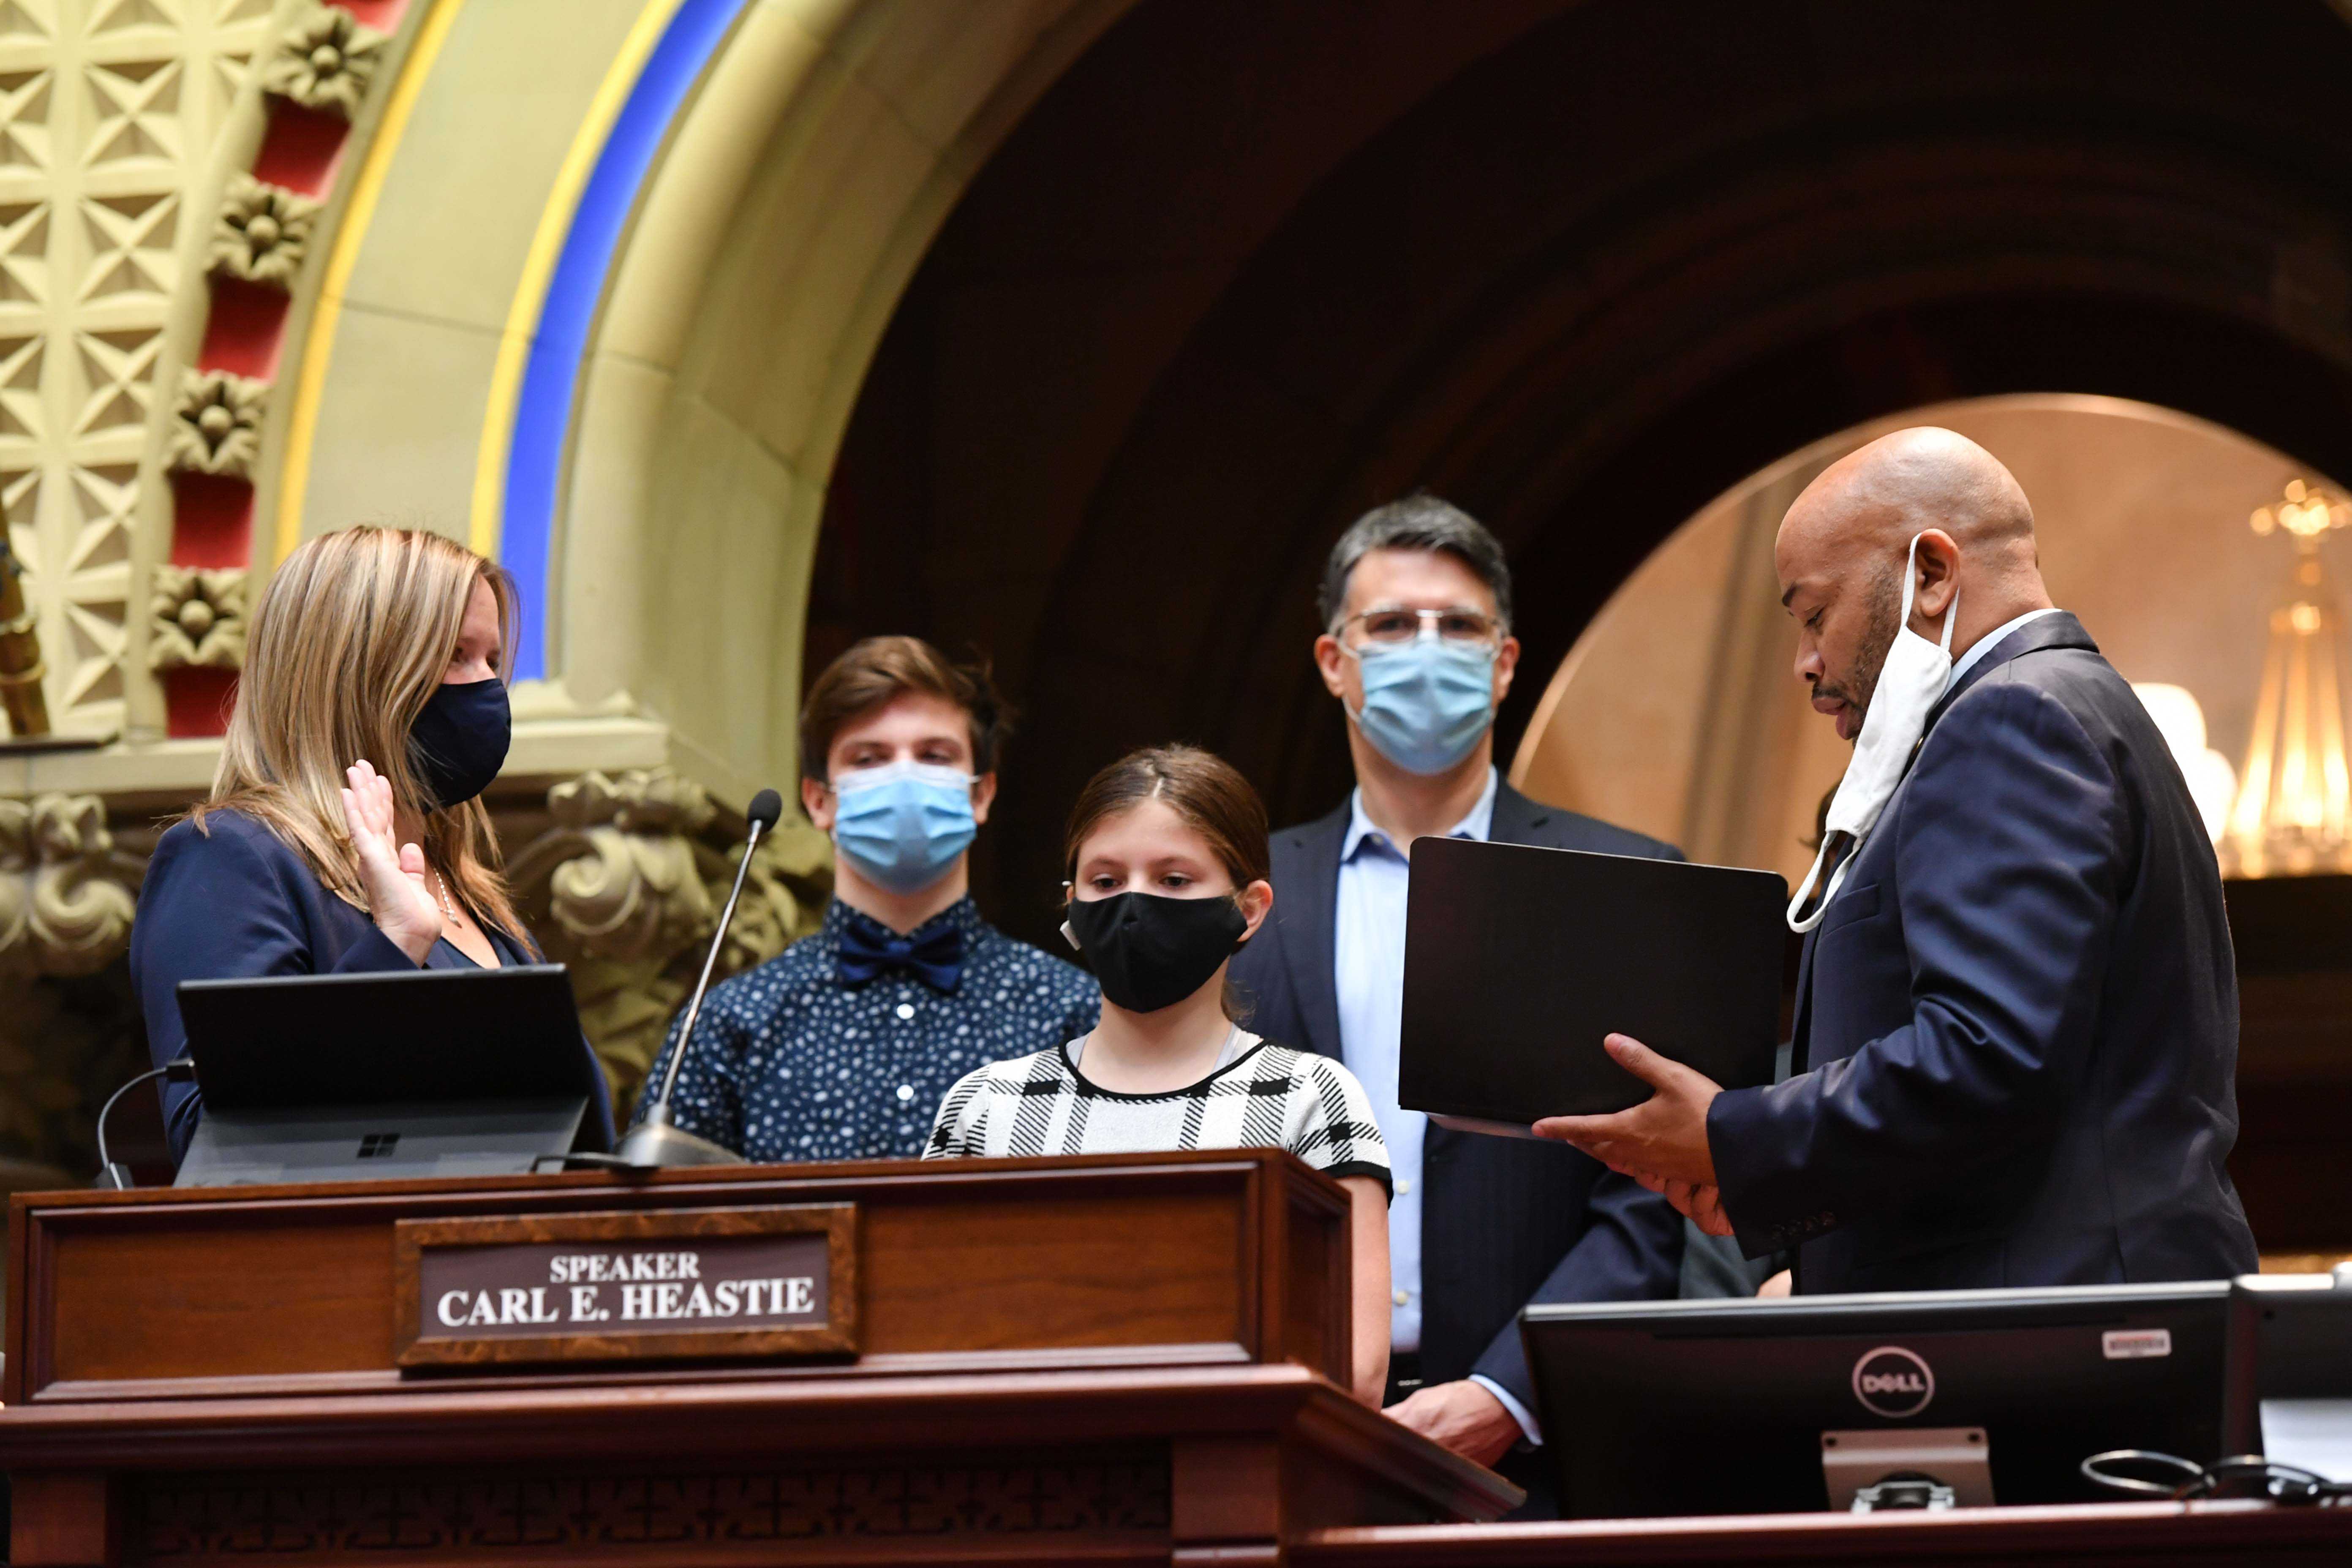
x=657, y=1141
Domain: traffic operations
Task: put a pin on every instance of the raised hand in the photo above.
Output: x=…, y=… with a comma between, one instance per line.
x=392, y=873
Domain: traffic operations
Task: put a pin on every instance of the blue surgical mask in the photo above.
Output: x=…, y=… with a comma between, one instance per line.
x=1426, y=701
x=904, y=824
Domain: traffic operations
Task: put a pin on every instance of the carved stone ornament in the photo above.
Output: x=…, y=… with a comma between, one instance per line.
x=632, y=888
x=67, y=894
x=325, y=62
x=627, y=888
x=196, y=615
x=262, y=232
x=217, y=424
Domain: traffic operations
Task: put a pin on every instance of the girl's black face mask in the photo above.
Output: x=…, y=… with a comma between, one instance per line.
x=458, y=742
x=1150, y=952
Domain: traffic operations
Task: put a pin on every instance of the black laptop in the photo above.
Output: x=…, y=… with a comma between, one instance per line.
x=430, y=1072
x=1521, y=960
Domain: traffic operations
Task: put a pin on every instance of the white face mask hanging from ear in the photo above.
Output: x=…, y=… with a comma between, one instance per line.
x=1913, y=679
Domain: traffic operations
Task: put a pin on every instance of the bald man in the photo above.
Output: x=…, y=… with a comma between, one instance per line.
x=2016, y=1019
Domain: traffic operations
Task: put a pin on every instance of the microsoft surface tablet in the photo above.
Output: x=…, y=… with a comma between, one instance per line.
x=432, y=1072
x=408, y=1038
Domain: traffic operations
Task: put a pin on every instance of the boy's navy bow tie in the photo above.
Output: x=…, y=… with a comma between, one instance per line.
x=867, y=948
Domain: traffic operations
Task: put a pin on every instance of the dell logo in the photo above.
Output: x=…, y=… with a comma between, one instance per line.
x=1893, y=1381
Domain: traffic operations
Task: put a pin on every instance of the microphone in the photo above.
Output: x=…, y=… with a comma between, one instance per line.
x=657, y=1141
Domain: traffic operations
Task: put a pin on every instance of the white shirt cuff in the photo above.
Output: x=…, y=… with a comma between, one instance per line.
x=1519, y=1412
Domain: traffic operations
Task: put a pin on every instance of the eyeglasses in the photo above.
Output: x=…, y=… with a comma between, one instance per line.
x=1394, y=624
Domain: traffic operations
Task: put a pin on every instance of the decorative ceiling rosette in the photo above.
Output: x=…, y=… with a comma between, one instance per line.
x=217, y=424
x=196, y=615
x=325, y=62
x=262, y=232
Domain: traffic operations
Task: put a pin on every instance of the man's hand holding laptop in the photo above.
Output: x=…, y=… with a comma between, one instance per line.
x=1661, y=1142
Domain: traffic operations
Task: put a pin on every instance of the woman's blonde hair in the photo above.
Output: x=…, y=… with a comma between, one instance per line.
x=351, y=638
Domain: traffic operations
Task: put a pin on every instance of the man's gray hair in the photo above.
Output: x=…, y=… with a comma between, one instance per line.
x=1419, y=522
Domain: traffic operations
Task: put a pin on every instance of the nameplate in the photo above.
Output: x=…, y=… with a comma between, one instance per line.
x=626, y=1286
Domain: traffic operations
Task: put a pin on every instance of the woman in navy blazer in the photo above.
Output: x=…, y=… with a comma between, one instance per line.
x=308, y=857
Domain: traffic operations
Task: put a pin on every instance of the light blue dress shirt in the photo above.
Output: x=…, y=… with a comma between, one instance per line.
x=1368, y=966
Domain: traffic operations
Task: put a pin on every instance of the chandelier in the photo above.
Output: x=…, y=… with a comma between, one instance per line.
x=2293, y=813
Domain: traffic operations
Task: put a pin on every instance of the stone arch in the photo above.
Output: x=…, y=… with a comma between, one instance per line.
x=758, y=178
x=797, y=199
x=1214, y=277
x=789, y=185
x=1581, y=273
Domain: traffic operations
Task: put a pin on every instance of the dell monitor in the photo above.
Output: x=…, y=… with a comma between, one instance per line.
x=1791, y=1404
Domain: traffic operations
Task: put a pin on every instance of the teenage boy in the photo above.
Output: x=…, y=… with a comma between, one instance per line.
x=841, y=1047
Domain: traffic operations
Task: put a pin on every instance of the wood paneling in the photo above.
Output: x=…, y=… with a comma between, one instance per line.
x=962, y=1265
x=1052, y=1366
x=2115, y=1535
x=1058, y=1272
x=249, y=1296
x=65, y=1516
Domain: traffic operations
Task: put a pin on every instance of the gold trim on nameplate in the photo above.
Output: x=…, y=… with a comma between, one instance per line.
x=626, y=1285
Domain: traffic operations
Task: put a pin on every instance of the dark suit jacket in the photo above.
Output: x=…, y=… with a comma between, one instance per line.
x=235, y=901
x=1505, y=1221
x=2017, y=1026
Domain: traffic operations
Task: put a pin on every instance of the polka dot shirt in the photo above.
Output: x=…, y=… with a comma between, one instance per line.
x=791, y=1063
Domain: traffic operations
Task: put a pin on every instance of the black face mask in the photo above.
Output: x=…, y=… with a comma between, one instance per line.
x=1150, y=952
x=459, y=742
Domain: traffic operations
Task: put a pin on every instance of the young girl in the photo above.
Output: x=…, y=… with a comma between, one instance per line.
x=1166, y=856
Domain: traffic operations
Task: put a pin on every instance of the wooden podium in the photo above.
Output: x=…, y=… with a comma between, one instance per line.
x=1097, y=1360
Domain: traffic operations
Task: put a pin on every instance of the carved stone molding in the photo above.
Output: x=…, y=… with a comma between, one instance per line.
x=262, y=232
x=70, y=1028
x=196, y=615
x=216, y=423
x=66, y=893
x=567, y=1517
x=110, y=113
x=627, y=886
x=325, y=62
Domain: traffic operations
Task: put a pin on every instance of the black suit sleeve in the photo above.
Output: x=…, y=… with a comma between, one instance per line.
x=221, y=908
x=2009, y=851
x=1632, y=1250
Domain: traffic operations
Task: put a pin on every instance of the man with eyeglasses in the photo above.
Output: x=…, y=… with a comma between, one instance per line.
x=1416, y=646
